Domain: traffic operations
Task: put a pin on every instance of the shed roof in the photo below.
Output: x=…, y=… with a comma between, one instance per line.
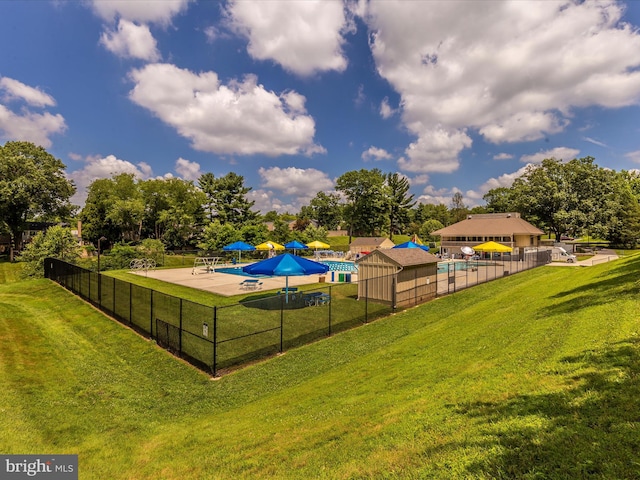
x=404, y=257
x=368, y=241
x=486, y=225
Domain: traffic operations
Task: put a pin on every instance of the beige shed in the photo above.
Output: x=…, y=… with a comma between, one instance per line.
x=398, y=277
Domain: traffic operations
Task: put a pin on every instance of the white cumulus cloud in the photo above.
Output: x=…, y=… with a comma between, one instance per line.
x=375, y=153
x=559, y=153
x=16, y=90
x=304, y=37
x=23, y=123
x=436, y=150
x=633, y=156
x=97, y=167
x=146, y=11
x=300, y=182
x=131, y=41
x=385, y=109
x=241, y=117
x=188, y=170
x=511, y=71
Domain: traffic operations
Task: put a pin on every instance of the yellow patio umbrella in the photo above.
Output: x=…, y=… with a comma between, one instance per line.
x=492, y=247
x=269, y=246
x=317, y=244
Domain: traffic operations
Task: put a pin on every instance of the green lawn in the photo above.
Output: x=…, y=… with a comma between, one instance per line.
x=531, y=376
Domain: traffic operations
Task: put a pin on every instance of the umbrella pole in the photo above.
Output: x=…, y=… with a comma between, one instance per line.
x=286, y=289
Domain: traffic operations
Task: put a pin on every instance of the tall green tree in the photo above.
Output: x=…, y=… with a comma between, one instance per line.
x=565, y=197
x=326, y=209
x=619, y=215
x=429, y=211
x=254, y=233
x=228, y=198
x=181, y=219
x=126, y=209
x=32, y=187
x=427, y=228
x=281, y=232
x=114, y=209
x=94, y=213
x=400, y=202
x=499, y=200
x=367, y=209
x=540, y=194
x=207, y=183
x=459, y=210
x=216, y=235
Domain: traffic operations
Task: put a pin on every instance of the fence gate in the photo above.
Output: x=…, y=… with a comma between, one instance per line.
x=168, y=336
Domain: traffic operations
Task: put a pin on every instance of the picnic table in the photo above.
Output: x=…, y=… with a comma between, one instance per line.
x=290, y=292
x=250, y=284
x=316, y=299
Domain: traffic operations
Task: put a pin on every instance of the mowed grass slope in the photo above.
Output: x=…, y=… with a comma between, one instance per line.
x=531, y=376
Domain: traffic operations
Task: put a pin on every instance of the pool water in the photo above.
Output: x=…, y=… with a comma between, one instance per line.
x=238, y=271
x=459, y=266
x=338, y=266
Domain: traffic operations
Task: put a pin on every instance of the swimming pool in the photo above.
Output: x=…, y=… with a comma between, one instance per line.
x=238, y=271
x=443, y=267
x=339, y=266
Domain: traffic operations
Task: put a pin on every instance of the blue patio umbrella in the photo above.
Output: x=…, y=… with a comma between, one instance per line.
x=238, y=247
x=286, y=265
x=295, y=245
x=412, y=245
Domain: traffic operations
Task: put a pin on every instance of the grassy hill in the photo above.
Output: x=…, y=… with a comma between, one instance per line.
x=531, y=376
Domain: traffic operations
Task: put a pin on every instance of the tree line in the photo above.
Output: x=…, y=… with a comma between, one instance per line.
x=576, y=198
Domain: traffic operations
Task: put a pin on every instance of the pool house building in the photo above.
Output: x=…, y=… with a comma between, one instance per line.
x=506, y=228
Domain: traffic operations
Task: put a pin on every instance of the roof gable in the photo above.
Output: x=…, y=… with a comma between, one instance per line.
x=500, y=225
x=404, y=257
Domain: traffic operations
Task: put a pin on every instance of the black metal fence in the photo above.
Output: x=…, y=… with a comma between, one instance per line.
x=220, y=337
x=457, y=275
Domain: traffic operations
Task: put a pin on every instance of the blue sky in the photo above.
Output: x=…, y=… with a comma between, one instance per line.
x=458, y=96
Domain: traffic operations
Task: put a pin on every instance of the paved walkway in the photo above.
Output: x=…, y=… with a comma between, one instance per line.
x=602, y=256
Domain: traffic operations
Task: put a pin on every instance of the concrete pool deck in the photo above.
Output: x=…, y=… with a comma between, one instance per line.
x=227, y=284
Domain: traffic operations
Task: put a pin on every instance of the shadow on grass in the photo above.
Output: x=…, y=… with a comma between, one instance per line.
x=616, y=283
x=590, y=430
x=274, y=302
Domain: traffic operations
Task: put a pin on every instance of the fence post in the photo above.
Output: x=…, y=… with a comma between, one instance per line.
x=130, y=303
x=151, y=316
x=100, y=290
x=114, y=296
x=394, y=291
x=180, y=338
x=215, y=340
x=281, y=320
x=330, y=302
x=366, y=300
